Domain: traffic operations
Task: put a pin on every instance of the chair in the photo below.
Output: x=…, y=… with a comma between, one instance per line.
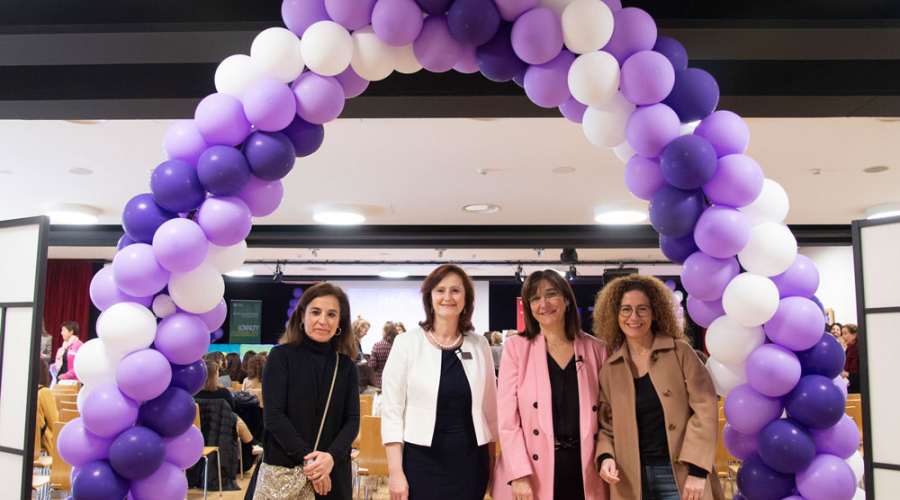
x=60, y=472
x=41, y=487
x=365, y=406
x=66, y=397
x=67, y=405
x=724, y=459
x=68, y=415
x=65, y=389
x=207, y=451
x=372, y=454
x=236, y=386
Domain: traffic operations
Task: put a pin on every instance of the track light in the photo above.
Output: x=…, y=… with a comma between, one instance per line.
x=520, y=274
x=571, y=274
x=279, y=274
x=568, y=256
x=440, y=252
x=540, y=252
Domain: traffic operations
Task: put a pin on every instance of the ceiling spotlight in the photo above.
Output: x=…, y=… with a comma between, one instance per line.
x=244, y=272
x=481, y=208
x=69, y=213
x=440, y=252
x=338, y=215
x=393, y=274
x=279, y=274
x=571, y=274
x=882, y=211
x=314, y=251
x=568, y=256
x=520, y=274
x=540, y=252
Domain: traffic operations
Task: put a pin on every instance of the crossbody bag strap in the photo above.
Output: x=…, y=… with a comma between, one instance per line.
x=337, y=360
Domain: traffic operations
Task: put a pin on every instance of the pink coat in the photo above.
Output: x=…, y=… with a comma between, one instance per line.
x=70, y=361
x=526, y=416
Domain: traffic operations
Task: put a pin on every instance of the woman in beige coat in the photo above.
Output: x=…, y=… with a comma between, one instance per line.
x=658, y=412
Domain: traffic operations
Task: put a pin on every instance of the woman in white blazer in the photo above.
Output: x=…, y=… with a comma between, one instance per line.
x=439, y=398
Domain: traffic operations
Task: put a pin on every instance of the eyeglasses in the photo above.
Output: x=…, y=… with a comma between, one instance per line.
x=642, y=311
x=549, y=296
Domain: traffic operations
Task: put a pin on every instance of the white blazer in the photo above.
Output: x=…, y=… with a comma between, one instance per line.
x=409, y=389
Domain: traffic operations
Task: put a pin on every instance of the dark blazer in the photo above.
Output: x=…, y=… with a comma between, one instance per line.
x=294, y=406
x=218, y=425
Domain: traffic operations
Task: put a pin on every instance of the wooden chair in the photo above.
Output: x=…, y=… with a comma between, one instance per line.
x=724, y=460
x=68, y=405
x=68, y=415
x=70, y=397
x=207, y=451
x=372, y=454
x=60, y=472
x=66, y=389
x=236, y=386
x=40, y=485
x=365, y=406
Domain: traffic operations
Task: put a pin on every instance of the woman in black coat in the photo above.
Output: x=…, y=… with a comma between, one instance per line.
x=296, y=381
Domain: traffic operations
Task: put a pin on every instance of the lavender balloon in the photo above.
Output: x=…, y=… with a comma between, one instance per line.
x=468, y=62
x=704, y=312
x=78, y=446
x=706, y=277
x=180, y=245
x=497, y=60
x=643, y=177
x=435, y=48
x=694, y=96
x=269, y=104
x=397, y=22
x=677, y=249
x=143, y=375
x=688, y=162
x=99, y=481
x=353, y=84
x=773, y=371
x=673, y=51
x=749, y=411
x=261, y=197
x=167, y=483
x=137, y=272
x=351, y=14
x=306, y=137
x=726, y=131
x=573, y=110
x=270, y=155
x=537, y=36
x=722, y=231
x=105, y=294
x=737, y=181
x=215, y=317
x=816, y=402
x=184, y=450
x=651, y=128
x=142, y=217
x=797, y=324
x=827, y=478
x=547, y=84
x=647, y=78
x=182, y=338
x=320, y=99
x=189, y=377
x=510, y=10
x=220, y=119
x=225, y=221
x=107, y=411
x=635, y=31
x=137, y=453
x=739, y=445
x=800, y=280
x=183, y=141
x=786, y=446
x=298, y=15
x=176, y=187
x=826, y=358
x=841, y=439
x=473, y=22
x=674, y=212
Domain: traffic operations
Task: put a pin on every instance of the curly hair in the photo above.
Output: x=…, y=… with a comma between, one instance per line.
x=255, y=367
x=606, y=309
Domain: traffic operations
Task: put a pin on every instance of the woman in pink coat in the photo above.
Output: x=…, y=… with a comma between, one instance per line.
x=547, y=400
x=65, y=356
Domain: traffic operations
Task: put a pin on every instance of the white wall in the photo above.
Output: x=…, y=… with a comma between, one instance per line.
x=837, y=287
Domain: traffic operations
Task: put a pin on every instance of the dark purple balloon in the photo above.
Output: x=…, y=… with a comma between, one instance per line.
x=497, y=60
x=473, y=22
x=758, y=481
x=271, y=155
x=98, y=481
x=176, y=187
x=124, y=241
x=142, y=217
x=223, y=170
x=189, y=377
x=826, y=358
x=673, y=50
x=674, y=212
x=695, y=95
x=816, y=402
x=137, y=453
x=786, y=446
x=688, y=162
x=170, y=414
x=677, y=249
x=306, y=137
x=434, y=7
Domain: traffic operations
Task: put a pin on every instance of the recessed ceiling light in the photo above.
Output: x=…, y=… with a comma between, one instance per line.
x=393, y=274
x=316, y=269
x=384, y=254
x=882, y=211
x=876, y=169
x=244, y=272
x=86, y=122
x=70, y=213
x=80, y=171
x=338, y=215
x=481, y=208
x=563, y=170
x=619, y=213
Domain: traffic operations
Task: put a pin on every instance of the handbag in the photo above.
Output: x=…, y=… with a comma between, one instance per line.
x=290, y=483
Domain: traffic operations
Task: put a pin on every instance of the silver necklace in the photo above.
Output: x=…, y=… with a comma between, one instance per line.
x=442, y=346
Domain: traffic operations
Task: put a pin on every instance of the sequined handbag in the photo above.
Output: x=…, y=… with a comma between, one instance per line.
x=290, y=483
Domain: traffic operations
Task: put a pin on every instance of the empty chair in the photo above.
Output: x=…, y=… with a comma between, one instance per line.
x=372, y=458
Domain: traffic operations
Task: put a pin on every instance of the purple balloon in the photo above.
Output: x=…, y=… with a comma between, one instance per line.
x=320, y=99
x=677, y=249
x=841, y=439
x=674, y=212
x=573, y=110
x=435, y=48
x=270, y=155
x=797, y=324
x=351, y=14
x=694, y=96
x=105, y=293
x=772, y=371
x=306, y=137
x=706, y=277
x=468, y=62
x=519, y=79
x=786, y=446
x=800, y=280
x=826, y=358
x=78, y=446
x=136, y=271
x=704, y=312
x=269, y=104
x=107, y=411
x=99, y=481
x=137, y=453
x=827, y=478
x=397, y=22
x=737, y=182
x=758, y=481
x=180, y=245
x=216, y=335
x=651, y=128
x=473, y=22
x=176, y=187
x=497, y=60
x=170, y=414
x=510, y=10
x=647, y=78
x=537, y=36
x=738, y=444
x=226, y=221
x=816, y=402
x=167, y=483
x=124, y=241
x=183, y=141
x=749, y=411
x=434, y=7
x=722, y=231
x=673, y=50
x=220, y=119
x=262, y=197
x=352, y=83
x=688, y=162
x=298, y=15
x=142, y=217
x=190, y=377
x=215, y=317
x=726, y=131
x=186, y=449
x=643, y=177
x=634, y=31
x=182, y=338
x=547, y=84
x=143, y=375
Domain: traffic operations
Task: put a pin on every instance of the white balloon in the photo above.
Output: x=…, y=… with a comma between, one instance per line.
x=95, y=364
x=725, y=377
x=372, y=59
x=604, y=125
x=558, y=6
x=587, y=25
x=679, y=296
x=197, y=291
x=227, y=259
x=326, y=48
x=163, y=306
x=594, y=78
x=624, y=152
x=856, y=463
x=276, y=52
x=771, y=205
x=235, y=74
x=126, y=327
x=405, y=60
x=770, y=250
x=82, y=394
x=750, y=299
x=688, y=128
x=731, y=343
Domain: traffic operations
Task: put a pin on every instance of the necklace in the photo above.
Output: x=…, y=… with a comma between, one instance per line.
x=554, y=344
x=442, y=346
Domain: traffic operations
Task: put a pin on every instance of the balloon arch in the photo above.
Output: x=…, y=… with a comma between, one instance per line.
x=603, y=66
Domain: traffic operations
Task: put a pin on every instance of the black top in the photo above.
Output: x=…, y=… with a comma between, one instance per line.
x=651, y=421
x=564, y=393
x=220, y=393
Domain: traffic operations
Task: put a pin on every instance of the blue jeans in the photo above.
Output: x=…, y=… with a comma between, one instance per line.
x=658, y=483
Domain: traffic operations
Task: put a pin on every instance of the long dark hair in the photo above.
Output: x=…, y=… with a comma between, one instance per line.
x=432, y=281
x=530, y=288
x=343, y=342
x=233, y=366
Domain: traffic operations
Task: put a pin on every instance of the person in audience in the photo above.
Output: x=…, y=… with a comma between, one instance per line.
x=851, y=366
x=496, y=348
x=233, y=367
x=219, y=359
x=47, y=413
x=65, y=355
x=439, y=398
x=313, y=369
x=46, y=344
x=400, y=327
x=367, y=385
x=668, y=413
x=254, y=373
x=360, y=329
x=547, y=400
x=211, y=390
x=836, y=330
x=245, y=361
x=382, y=349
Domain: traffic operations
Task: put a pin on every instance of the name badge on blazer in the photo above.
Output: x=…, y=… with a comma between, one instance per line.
x=463, y=354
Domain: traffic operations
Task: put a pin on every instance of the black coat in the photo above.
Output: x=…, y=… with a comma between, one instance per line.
x=296, y=381
x=218, y=424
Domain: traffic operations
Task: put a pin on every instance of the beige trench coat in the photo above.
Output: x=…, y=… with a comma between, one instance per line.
x=688, y=398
